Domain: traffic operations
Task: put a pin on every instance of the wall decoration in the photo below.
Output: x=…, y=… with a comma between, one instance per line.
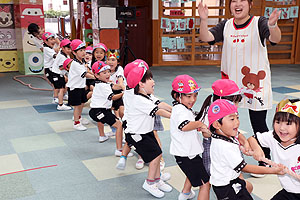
x=31, y=14
x=33, y=2
x=173, y=24
x=172, y=43
x=285, y=13
x=165, y=42
x=8, y=61
x=268, y=11
x=294, y=12
x=180, y=43
x=165, y=23
x=182, y=24
x=87, y=15
x=33, y=62
x=6, y=16
x=7, y=39
x=28, y=42
x=88, y=35
x=190, y=23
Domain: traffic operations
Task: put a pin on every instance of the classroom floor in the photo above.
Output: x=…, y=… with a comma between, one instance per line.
x=42, y=157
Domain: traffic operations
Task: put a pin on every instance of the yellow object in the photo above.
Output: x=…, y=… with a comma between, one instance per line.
x=113, y=54
x=8, y=61
x=287, y=106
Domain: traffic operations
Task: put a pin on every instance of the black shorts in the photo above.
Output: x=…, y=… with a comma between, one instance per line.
x=193, y=169
x=49, y=75
x=90, y=82
x=76, y=96
x=58, y=81
x=103, y=115
x=284, y=195
x=145, y=145
x=119, y=102
x=227, y=192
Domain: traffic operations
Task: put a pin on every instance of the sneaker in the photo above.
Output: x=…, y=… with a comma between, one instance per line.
x=162, y=165
x=153, y=189
x=110, y=134
x=63, y=107
x=55, y=100
x=118, y=153
x=163, y=186
x=183, y=196
x=84, y=121
x=79, y=127
x=165, y=176
x=121, y=164
x=103, y=138
x=139, y=164
x=66, y=97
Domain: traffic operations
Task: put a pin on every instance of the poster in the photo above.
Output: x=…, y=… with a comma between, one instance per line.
x=190, y=23
x=172, y=43
x=294, y=11
x=285, y=13
x=165, y=42
x=180, y=43
x=173, y=24
x=268, y=11
x=165, y=23
x=182, y=24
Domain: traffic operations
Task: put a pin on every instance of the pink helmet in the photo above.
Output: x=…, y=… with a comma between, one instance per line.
x=185, y=84
x=135, y=76
x=219, y=109
x=65, y=42
x=99, y=66
x=77, y=44
x=101, y=46
x=225, y=87
x=133, y=64
x=89, y=49
x=66, y=63
x=47, y=35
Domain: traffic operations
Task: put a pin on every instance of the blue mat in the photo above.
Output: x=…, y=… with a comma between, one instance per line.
x=46, y=108
x=284, y=90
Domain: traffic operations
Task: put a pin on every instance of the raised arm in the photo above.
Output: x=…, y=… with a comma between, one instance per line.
x=275, y=33
x=205, y=35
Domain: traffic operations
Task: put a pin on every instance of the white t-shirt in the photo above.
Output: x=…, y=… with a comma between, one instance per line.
x=288, y=156
x=127, y=97
x=226, y=160
x=76, y=77
x=58, y=62
x=140, y=115
x=49, y=56
x=183, y=143
x=102, y=94
x=38, y=42
x=115, y=76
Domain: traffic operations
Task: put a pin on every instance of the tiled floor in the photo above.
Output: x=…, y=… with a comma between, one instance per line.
x=34, y=136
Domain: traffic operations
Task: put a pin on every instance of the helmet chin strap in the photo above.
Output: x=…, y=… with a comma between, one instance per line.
x=179, y=97
x=145, y=91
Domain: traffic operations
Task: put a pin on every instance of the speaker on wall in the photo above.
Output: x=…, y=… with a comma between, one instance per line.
x=111, y=3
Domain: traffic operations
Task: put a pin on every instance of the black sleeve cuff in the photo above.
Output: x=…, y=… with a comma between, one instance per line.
x=110, y=96
x=152, y=113
x=83, y=74
x=54, y=56
x=180, y=127
x=241, y=166
x=157, y=102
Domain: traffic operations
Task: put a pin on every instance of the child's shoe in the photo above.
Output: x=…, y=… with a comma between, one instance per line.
x=79, y=127
x=84, y=121
x=103, y=138
x=163, y=186
x=55, y=100
x=63, y=107
x=110, y=134
x=153, y=189
x=183, y=196
x=139, y=164
x=65, y=97
x=121, y=163
x=162, y=165
x=165, y=176
x=118, y=153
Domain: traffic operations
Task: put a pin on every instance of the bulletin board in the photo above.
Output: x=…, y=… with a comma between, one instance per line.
x=179, y=24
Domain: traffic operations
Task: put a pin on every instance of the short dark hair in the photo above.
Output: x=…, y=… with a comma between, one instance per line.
x=148, y=75
x=68, y=46
x=33, y=28
x=212, y=129
x=289, y=118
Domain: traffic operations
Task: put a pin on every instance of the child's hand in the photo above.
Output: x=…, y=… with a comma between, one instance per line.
x=280, y=169
x=246, y=149
x=258, y=155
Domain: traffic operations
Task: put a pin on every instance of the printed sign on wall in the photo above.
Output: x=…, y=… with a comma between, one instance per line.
x=8, y=61
x=6, y=16
x=7, y=39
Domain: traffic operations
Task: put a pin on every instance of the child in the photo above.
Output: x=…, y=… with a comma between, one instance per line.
x=284, y=142
x=139, y=130
x=67, y=64
x=99, y=53
x=101, y=103
x=90, y=83
x=76, y=84
x=117, y=77
x=226, y=159
x=59, y=73
x=49, y=56
x=185, y=141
